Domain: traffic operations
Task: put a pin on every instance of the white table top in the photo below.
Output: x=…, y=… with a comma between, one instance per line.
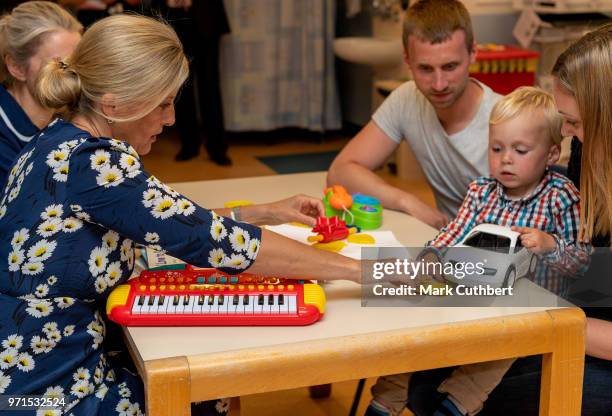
x=344, y=315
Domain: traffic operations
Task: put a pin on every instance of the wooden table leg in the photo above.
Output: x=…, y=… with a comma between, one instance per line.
x=235, y=406
x=168, y=388
x=563, y=368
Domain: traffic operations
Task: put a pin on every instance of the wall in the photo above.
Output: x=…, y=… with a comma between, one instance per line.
x=355, y=81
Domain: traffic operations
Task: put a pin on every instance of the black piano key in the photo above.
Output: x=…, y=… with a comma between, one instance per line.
x=245, y=300
x=161, y=300
x=141, y=300
x=235, y=300
x=270, y=299
x=221, y=299
x=211, y=300
x=151, y=300
x=186, y=300
x=281, y=299
x=260, y=300
x=201, y=300
x=175, y=301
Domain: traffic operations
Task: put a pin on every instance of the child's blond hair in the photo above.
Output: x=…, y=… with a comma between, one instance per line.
x=524, y=100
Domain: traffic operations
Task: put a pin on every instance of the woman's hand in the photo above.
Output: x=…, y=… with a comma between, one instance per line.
x=299, y=208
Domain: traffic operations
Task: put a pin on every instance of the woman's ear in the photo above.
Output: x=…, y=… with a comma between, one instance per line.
x=553, y=154
x=17, y=71
x=108, y=107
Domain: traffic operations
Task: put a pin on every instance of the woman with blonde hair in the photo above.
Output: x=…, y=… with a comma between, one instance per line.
x=583, y=95
x=78, y=198
x=30, y=35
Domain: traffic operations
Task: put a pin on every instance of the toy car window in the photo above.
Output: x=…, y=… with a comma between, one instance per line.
x=473, y=240
x=488, y=241
x=502, y=244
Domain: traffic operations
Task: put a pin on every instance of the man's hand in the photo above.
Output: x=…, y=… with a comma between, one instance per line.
x=423, y=212
x=536, y=241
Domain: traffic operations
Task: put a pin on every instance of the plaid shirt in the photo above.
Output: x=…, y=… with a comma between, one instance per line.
x=553, y=207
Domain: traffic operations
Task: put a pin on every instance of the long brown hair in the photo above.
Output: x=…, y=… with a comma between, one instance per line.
x=585, y=71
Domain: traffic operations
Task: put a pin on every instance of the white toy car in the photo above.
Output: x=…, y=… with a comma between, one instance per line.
x=500, y=249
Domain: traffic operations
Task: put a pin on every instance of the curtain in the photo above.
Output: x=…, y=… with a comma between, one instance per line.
x=277, y=65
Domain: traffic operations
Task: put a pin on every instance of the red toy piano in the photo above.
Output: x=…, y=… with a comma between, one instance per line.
x=208, y=297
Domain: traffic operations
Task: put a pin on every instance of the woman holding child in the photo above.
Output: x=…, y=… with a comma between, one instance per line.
x=583, y=95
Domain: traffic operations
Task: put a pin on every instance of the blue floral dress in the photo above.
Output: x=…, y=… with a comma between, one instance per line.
x=71, y=211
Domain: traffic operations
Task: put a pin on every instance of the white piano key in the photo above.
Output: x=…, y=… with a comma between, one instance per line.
x=214, y=308
x=189, y=306
x=162, y=308
x=171, y=309
x=223, y=308
x=267, y=308
x=153, y=308
x=198, y=304
x=284, y=308
x=240, y=306
x=145, y=306
x=291, y=299
x=206, y=306
x=275, y=308
x=231, y=308
x=136, y=306
x=257, y=308
x=249, y=308
x=180, y=308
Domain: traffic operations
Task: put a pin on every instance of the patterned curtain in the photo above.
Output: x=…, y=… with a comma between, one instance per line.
x=277, y=65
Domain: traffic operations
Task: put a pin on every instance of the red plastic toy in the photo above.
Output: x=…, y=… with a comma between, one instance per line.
x=330, y=229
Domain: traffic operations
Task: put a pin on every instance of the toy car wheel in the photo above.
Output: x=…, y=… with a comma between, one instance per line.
x=510, y=277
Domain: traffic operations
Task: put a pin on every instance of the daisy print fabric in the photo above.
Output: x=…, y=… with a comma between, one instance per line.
x=71, y=211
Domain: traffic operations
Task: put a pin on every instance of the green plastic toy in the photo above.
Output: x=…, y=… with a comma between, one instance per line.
x=358, y=210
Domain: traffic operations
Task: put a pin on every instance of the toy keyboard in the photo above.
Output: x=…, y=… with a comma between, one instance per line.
x=208, y=297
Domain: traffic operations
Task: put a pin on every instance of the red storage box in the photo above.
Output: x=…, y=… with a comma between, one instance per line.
x=504, y=68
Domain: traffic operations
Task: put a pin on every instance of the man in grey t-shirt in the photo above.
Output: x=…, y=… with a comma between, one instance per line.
x=442, y=114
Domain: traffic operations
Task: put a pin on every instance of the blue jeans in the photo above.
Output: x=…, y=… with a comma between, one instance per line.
x=519, y=391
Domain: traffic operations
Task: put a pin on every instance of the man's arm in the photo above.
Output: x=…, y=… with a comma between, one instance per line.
x=354, y=168
x=598, y=338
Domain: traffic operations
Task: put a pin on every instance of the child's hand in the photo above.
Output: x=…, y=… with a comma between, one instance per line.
x=536, y=241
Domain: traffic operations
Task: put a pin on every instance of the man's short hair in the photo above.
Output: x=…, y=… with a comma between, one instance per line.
x=435, y=21
x=527, y=100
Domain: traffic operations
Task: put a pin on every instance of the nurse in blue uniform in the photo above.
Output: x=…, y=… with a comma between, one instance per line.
x=30, y=35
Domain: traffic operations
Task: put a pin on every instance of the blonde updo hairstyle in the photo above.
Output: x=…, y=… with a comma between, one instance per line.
x=25, y=28
x=138, y=60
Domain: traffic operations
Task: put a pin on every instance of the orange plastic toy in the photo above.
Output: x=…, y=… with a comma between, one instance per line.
x=338, y=197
